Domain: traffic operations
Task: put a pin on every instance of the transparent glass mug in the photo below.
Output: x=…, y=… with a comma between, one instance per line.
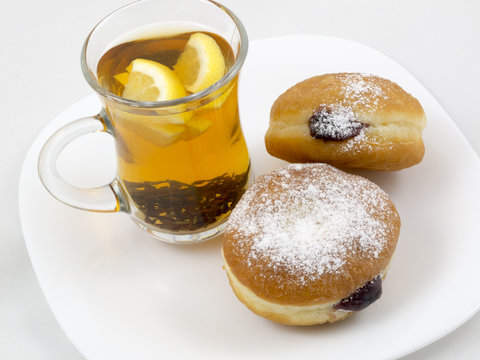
x=182, y=164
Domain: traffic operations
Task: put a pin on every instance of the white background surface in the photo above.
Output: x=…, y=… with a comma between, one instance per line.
x=437, y=41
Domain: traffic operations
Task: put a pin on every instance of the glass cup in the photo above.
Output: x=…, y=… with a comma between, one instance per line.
x=182, y=164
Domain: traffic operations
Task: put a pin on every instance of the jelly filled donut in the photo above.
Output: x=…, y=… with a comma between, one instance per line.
x=309, y=244
x=348, y=120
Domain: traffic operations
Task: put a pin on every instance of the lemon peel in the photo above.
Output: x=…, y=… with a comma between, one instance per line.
x=201, y=64
x=151, y=81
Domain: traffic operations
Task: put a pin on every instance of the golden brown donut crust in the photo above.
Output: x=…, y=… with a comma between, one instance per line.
x=274, y=202
x=391, y=141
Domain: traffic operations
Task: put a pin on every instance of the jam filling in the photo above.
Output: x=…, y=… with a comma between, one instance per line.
x=362, y=297
x=334, y=123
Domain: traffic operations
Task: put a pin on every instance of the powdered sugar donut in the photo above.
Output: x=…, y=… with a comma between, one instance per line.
x=348, y=120
x=309, y=244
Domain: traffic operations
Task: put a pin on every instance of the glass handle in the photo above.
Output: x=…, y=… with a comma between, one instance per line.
x=106, y=198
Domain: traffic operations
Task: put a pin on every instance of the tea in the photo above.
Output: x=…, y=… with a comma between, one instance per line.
x=181, y=175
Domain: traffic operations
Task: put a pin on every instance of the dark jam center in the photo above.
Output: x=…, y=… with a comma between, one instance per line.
x=362, y=297
x=334, y=123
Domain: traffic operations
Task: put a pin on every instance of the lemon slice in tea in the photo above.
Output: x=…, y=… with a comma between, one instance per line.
x=152, y=81
x=195, y=127
x=122, y=78
x=201, y=64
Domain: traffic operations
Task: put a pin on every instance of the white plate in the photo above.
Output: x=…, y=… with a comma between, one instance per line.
x=119, y=294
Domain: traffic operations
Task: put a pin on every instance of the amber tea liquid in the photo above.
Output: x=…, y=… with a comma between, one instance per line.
x=181, y=177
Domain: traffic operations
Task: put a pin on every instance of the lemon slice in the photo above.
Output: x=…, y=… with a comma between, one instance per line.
x=152, y=81
x=201, y=64
x=122, y=78
x=196, y=127
x=218, y=102
x=159, y=135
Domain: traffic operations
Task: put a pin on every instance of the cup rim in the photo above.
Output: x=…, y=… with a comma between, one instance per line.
x=231, y=73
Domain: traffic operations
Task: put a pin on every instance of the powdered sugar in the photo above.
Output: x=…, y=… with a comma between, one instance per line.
x=310, y=230
x=335, y=122
x=356, y=93
x=360, y=89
